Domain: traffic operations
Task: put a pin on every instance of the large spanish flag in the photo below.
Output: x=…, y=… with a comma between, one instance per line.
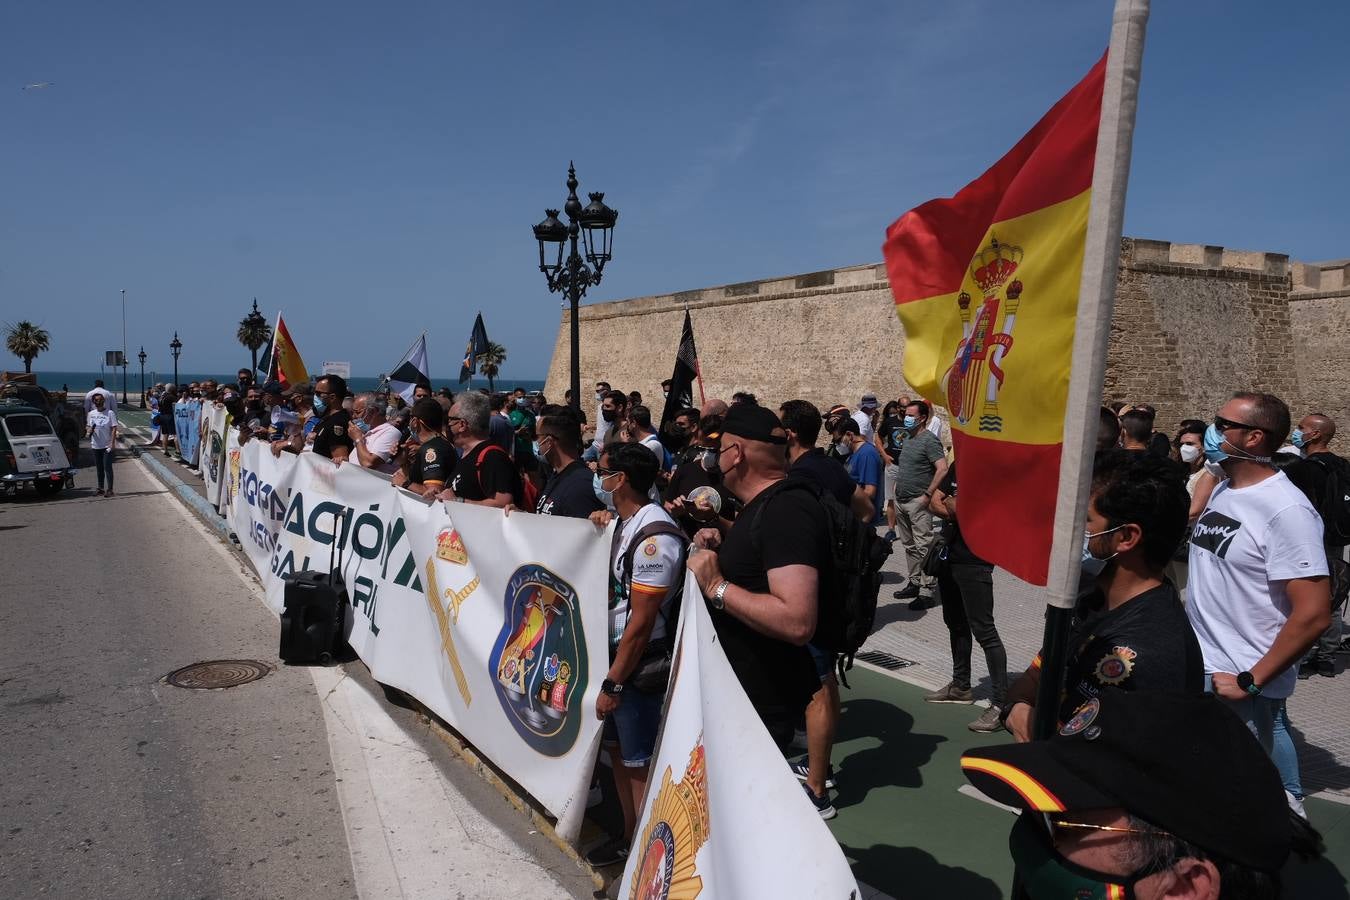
x=986, y=284
x=287, y=366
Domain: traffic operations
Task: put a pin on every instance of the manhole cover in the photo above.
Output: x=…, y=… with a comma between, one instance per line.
x=217, y=673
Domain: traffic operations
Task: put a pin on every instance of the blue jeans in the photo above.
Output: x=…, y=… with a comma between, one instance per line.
x=1268, y=719
x=633, y=726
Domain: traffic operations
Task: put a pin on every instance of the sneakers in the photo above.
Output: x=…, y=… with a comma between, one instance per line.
x=907, y=592
x=950, y=694
x=614, y=850
x=822, y=804
x=803, y=771
x=988, y=722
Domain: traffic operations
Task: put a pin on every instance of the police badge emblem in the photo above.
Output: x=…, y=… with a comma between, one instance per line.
x=1115, y=666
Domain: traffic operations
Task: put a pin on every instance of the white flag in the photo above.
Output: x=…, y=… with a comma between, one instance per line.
x=723, y=816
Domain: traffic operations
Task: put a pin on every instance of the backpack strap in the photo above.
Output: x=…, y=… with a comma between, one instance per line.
x=650, y=530
x=488, y=446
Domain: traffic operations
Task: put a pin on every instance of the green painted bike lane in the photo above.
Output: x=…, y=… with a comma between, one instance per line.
x=909, y=833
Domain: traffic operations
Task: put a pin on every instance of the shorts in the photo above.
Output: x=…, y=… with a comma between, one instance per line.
x=892, y=479
x=824, y=660
x=633, y=726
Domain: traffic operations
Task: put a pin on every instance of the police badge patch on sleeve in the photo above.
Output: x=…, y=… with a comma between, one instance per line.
x=1115, y=666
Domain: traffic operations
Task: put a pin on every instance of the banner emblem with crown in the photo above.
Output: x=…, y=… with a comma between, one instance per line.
x=677, y=827
x=973, y=380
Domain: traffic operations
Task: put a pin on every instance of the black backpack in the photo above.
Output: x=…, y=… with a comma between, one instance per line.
x=1334, y=505
x=849, y=588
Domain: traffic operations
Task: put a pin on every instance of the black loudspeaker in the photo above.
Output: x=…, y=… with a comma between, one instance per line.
x=313, y=623
x=314, y=613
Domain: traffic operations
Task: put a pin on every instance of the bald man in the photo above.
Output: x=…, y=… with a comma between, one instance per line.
x=713, y=407
x=1318, y=475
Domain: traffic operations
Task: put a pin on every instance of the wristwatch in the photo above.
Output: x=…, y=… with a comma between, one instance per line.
x=718, y=598
x=1247, y=682
x=613, y=688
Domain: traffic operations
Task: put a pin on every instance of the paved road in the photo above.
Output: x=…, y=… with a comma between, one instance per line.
x=303, y=784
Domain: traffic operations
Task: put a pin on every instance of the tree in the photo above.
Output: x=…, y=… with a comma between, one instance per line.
x=254, y=332
x=491, y=360
x=26, y=340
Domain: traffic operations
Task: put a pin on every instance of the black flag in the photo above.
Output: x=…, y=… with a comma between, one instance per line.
x=686, y=372
x=478, y=344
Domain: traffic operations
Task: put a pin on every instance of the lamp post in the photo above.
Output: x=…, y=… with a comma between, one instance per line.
x=595, y=225
x=124, y=346
x=255, y=323
x=141, y=357
x=176, y=347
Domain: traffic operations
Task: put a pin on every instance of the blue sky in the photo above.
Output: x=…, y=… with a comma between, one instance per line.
x=373, y=170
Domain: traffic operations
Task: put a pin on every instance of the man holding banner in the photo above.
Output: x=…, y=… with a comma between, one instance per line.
x=646, y=576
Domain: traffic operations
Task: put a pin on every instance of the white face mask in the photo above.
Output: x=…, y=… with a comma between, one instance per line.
x=843, y=448
x=1190, y=453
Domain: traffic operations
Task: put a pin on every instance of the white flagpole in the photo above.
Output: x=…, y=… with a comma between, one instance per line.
x=1096, y=298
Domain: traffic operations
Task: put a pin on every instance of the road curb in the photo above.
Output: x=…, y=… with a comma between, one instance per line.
x=485, y=770
x=195, y=502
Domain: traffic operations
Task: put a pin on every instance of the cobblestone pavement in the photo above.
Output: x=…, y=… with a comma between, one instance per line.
x=1319, y=711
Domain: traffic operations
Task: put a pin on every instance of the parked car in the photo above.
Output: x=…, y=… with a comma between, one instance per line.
x=66, y=417
x=30, y=451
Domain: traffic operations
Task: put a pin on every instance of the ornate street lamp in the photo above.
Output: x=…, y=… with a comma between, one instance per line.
x=255, y=325
x=175, y=347
x=571, y=276
x=141, y=357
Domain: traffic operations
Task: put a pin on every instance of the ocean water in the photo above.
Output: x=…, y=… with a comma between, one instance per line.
x=80, y=382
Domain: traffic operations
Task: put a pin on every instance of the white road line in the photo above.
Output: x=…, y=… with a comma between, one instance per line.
x=971, y=790
x=410, y=833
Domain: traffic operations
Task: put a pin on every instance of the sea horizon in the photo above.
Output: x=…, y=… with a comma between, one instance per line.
x=80, y=382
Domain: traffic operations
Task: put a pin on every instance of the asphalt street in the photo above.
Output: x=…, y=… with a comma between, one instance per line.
x=305, y=783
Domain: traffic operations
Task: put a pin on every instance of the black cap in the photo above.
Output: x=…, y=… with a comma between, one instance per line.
x=754, y=423
x=1182, y=762
x=272, y=387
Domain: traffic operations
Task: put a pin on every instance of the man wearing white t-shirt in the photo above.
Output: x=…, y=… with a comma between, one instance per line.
x=1259, y=592
x=109, y=398
x=376, y=440
x=646, y=573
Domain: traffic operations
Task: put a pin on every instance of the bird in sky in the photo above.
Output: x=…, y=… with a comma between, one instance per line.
x=37, y=85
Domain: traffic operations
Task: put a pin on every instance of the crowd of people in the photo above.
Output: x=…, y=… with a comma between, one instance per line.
x=1213, y=570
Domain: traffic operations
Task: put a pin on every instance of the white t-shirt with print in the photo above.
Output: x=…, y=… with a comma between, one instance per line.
x=656, y=570
x=383, y=440
x=1246, y=544
x=101, y=425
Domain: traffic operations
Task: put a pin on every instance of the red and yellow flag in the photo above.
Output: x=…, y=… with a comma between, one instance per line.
x=986, y=286
x=287, y=366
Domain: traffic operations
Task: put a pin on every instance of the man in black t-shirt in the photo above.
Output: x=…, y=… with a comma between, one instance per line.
x=568, y=491
x=698, y=468
x=330, y=435
x=484, y=474
x=1133, y=633
x=762, y=582
x=434, y=459
x=1315, y=475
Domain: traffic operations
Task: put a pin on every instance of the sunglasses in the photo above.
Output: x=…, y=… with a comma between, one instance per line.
x=1227, y=424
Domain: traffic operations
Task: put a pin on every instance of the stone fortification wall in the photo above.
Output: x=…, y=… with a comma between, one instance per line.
x=1192, y=323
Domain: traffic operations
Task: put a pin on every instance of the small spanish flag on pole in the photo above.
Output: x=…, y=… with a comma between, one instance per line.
x=1005, y=292
x=286, y=366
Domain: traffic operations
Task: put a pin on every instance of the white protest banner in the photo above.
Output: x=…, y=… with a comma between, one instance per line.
x=337, y=367
x=496, y=623
x=187, y=420
x=723, y=816
x=211, y=458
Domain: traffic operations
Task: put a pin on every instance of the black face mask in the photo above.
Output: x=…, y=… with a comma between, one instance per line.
x=608, y=414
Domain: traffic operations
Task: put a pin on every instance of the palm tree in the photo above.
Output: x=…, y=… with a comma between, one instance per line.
x=254, y=332
x=491, y=360
x=26, y=340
